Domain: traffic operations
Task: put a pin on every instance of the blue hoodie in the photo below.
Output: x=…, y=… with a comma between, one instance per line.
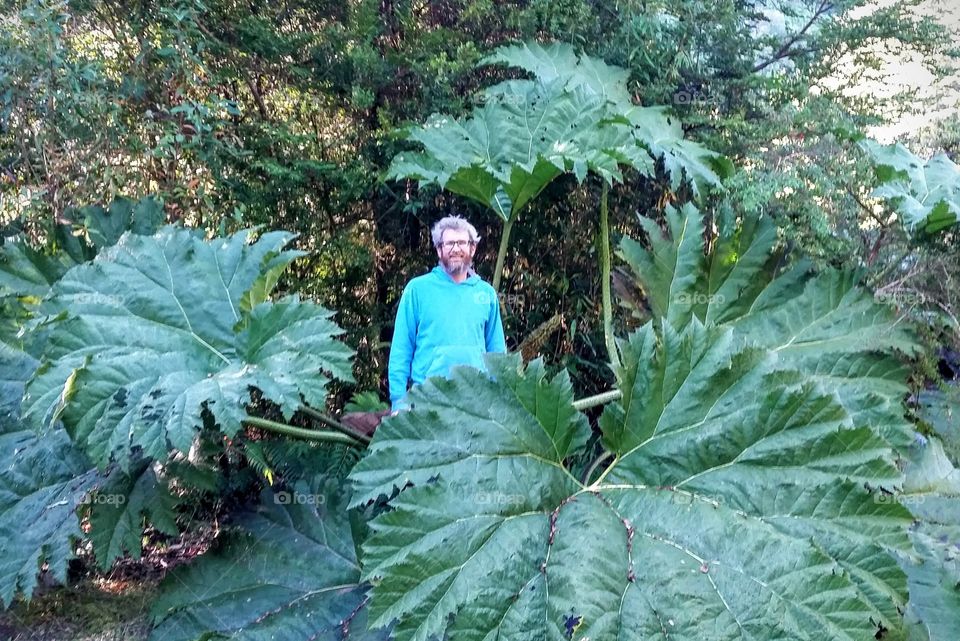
x=441, y=323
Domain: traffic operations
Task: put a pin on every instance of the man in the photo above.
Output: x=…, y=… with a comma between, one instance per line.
x=446, y=317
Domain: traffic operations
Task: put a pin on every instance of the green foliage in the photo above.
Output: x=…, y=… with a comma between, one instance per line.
x=287, y=570
x=651, y=128
x=43, y=480
x=926, y=194
x=27, y=272
x=15, y=368
x=118, y=511
x=932, y=493
x=939, y=409
x=289, y=459
x=515, y=145
x=155, y=339
x=365, y=402
x=522, y=559
x=824, y=326
x=103, y=227
x=731, y=456
x=576, y=116
x=662, y=135
x=934, y=580
x=104, y=300
x=283, y=115
x=25, y=277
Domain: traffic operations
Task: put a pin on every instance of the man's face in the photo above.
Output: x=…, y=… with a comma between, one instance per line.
x=456, y=252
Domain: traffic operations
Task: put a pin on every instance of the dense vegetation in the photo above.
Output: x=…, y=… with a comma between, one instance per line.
x=729, y=410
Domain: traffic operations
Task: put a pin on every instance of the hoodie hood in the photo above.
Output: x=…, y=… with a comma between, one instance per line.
x=472, y=278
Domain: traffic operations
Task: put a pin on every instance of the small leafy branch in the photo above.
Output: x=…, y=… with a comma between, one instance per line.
x=924, y=194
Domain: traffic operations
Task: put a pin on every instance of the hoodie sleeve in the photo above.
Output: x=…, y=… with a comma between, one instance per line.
x=494, y=329
x=401, y=349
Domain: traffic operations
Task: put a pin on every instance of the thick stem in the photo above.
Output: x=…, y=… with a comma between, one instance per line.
x=605, y=281
x=299, y=432
x=593, y=466
x=502, y=252
x=599, y=399
x=337, y=425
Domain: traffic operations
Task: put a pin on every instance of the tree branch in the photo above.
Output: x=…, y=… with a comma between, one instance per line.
x=785, y=50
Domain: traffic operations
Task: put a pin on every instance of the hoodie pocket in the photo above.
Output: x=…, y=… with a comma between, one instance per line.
x=449, y=356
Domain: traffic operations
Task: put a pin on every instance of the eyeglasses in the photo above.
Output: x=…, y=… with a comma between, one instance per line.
x=450, y=244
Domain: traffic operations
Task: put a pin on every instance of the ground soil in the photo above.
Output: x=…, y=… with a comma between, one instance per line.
x=92, y=610
x=95, y=606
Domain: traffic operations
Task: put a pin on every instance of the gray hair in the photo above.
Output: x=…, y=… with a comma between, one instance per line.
x=455, y=223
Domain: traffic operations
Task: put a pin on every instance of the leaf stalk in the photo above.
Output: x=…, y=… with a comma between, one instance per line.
x=502, y=252
x=335, y=424
x=593, y=466
x=605, y=280
x=301, y=433
x=597, y=399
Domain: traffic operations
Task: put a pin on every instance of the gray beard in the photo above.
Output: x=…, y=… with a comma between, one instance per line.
x=464, y=268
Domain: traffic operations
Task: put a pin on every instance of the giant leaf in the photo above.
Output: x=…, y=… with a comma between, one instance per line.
x=734, y=507
x=119, y=509
x=156, y=339
x=650, y=128
x=285, y=572
x=575, y=116
x=823, y=326
x=514, y=145
x=926, y=194
x=932, y=492
x=662, y=135
x=558, y=60
x=42, y=482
